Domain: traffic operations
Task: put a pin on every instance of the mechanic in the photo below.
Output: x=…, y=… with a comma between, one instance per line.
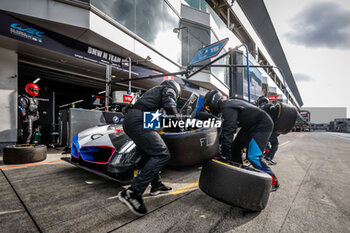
x=263, y=103
x=256, y=127
x=154, y=151
x=28, y=105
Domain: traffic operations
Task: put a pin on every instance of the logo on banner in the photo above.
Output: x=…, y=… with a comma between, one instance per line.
x=127, y=98
x=151, y=120
x=272, y=97
x=27, y=33
x=168, y=78
x=209, y=52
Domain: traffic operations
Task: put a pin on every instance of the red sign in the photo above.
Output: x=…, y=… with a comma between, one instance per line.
x=127, y=98
x=272, y=97
x=168, y=78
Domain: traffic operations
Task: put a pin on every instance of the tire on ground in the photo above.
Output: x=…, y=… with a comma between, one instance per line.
x=242, y=186
x=24, y=154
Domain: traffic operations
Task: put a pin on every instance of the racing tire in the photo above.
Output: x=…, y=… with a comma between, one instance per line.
x=192, y=147
x=287, y=115
x=24, y=154
x=236, y=184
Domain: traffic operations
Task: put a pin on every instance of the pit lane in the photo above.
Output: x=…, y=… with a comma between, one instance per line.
x=54, y=196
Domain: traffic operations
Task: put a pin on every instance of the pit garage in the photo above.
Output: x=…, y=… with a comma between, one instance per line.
x=59, y=91
x=66, y=86
x=70, y=73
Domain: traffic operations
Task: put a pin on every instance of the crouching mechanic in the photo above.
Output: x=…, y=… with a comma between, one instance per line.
x=149, y=143
x=271, y=109
x=256, y=127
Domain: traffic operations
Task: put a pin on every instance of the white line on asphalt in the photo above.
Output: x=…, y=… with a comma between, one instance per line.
x=9, y=212
x=113, y=197
x=345, y=136
x=285, y=143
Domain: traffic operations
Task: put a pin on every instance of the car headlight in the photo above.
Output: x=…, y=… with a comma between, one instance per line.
x=121, y=158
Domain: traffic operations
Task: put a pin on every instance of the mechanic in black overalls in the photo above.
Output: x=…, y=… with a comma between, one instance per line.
x=272, y=110
x=149, y=143
x=256, y=127
x=28, y=106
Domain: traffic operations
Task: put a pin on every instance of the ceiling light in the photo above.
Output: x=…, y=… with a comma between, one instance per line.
x=36, y=80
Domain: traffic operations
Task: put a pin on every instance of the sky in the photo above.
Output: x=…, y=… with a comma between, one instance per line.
x=315, y=36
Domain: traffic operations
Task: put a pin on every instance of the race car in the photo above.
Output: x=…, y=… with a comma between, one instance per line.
x=107, y=151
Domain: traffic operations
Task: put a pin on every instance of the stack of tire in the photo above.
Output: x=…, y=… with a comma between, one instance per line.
x=24, y=154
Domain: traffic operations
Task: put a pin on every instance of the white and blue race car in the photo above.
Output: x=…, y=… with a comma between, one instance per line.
x=107, y=151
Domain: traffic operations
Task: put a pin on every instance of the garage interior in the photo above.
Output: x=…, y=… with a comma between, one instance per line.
x=65, y=82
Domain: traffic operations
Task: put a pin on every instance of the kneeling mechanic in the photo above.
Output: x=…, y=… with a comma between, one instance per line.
x=256, y=127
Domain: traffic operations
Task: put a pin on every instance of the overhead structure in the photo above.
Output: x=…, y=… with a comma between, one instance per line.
x=258, y=16
x=260, y=20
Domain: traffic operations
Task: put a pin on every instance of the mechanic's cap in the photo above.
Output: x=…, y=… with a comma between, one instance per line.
x=173, y=85
x=212, y=100
x=32, y=89
x=261, y=100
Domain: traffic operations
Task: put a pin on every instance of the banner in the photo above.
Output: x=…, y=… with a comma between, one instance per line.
x=29, y=33
x=272, y=97
x=209, y=51
x=26, y=32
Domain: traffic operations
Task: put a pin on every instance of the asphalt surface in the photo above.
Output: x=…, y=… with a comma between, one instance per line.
x=54, y=196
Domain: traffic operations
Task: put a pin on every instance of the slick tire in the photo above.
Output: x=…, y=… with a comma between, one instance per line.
x=235, y=184
x=287, y=115
x=192, y=147
x=24, y=154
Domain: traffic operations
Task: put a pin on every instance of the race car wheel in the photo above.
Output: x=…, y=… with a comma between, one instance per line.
x=192, y=147
x=235, y=184
x=24, y=153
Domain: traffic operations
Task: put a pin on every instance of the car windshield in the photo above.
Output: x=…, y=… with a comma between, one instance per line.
x=189, y=108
